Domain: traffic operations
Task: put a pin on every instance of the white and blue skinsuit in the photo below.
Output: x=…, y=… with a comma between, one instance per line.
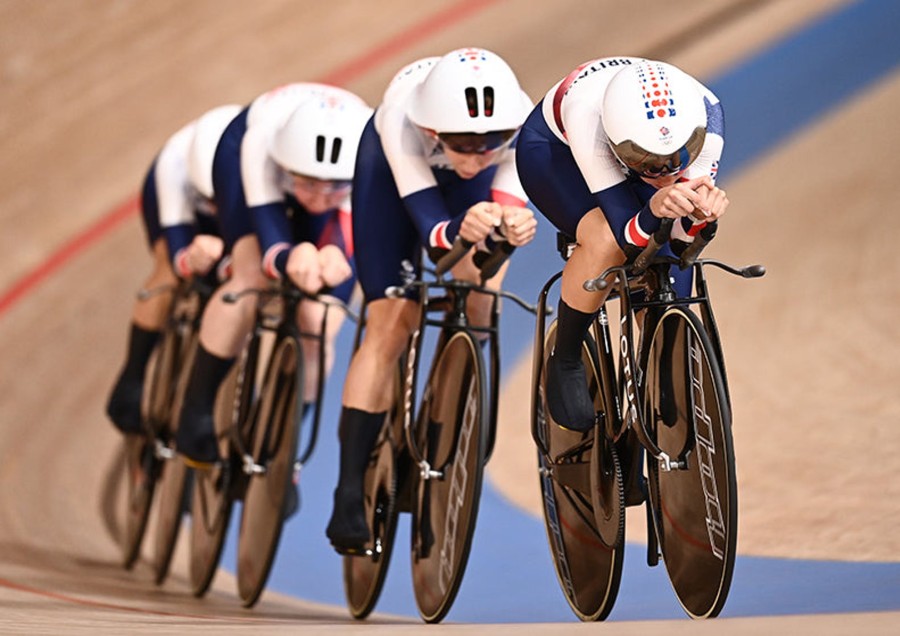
x=406, y=194
x=567, y=167
x=253, y=192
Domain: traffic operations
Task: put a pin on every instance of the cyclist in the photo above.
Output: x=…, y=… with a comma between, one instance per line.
x=282, y=174
x=614, y=147
x=179, y=219
x=435, y=162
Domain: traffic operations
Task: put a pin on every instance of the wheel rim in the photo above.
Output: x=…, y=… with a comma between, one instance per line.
x=172, y=493
x=210, y=513
x=141, y=467
x=274, y=447
x=442, y=526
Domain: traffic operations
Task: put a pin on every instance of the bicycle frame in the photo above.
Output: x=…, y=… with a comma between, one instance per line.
x=282, y=322
x=454, y=320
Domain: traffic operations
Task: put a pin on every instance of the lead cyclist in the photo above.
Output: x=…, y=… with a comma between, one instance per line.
x=613, y=148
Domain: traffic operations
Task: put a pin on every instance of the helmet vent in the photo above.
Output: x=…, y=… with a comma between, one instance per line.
x=335, y=149
x=472, y=101
x=488, y=101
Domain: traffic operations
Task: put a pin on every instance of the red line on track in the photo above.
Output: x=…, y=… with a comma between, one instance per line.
x=19, y=587
x=356, y=67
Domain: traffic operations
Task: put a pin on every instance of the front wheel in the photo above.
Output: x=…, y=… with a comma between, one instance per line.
x=274, y=448
x=453, y=431
x=693, y=488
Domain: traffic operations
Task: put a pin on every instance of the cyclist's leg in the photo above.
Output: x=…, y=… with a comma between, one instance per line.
x=383, y=237
x=147, y=321
x=479, y=305
x=223, y=332
x=567, y=395
x=554, y=183
x=368, y=394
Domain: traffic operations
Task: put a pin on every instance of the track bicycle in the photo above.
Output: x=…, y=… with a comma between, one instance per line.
x=148, y=454
x=430, y=462
x=662, y=394
x=259, y=414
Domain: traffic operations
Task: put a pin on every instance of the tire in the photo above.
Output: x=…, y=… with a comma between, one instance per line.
x=142, y=465
x=694, y=507
x=274, y=446
x=583, y=502
x=364, y=575
x=174, y=483
x=212, y=495
x=171, y=500
x=453, y=423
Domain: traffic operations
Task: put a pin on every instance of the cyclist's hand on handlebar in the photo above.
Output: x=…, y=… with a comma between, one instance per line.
x=334, y=266
x=303, y=267
x=203, y=252
x=713, y=203
x=518, y=225
x=480, y=219
x=680, y=199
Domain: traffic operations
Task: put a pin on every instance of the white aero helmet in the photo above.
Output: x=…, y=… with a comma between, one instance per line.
x=207, y=132
x=320, y=137
x=470, y=92
x=655, y=118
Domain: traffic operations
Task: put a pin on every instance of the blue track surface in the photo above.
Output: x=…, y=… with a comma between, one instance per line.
x=510, y=577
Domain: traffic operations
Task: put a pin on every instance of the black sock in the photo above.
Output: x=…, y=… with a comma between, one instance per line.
x=140, y=346
x=358, y=431
x=572, y=326
x=207, y=374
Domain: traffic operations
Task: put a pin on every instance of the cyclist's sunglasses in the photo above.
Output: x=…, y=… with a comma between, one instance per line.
x=651, y=165
x=319, y=186
x=475, y=144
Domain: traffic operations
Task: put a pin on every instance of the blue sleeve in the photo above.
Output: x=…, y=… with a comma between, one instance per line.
x=272, y=226
x=620, y=204
x=427, y=208
x=177, y=238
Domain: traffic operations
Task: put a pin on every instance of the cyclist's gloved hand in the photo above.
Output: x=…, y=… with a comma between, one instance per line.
x=303, y=268
x=518, y=225
x=480, y=220
x=334, y=266
x=204, y=252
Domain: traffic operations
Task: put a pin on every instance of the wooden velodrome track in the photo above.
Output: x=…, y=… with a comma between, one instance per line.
x=91, y=88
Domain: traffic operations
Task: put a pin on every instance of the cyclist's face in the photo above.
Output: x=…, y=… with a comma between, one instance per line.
x=318, y=195
x=468, y=165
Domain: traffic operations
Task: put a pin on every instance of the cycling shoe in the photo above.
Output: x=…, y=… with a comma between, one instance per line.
x=568, y=399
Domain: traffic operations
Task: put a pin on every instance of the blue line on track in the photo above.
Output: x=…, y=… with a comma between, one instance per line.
x=510, y=577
